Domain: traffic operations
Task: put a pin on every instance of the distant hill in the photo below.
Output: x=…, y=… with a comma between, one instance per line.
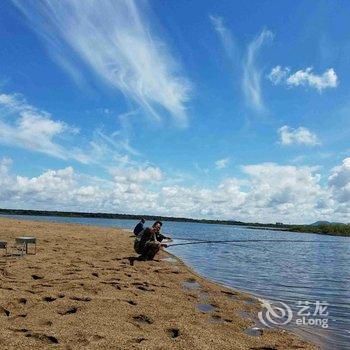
x=319, y=223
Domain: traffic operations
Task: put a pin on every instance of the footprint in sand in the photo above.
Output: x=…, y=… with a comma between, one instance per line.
x=81, y=298
x=37, y=277
x=219, y=319
x=205, y=308
x=139, y=340
x=231, y=295
x=143, y=319
x=4, y=311
x=191, y=284
x=96, y=338
x=49, y=299
x=173, y=332
x=20, y=330
x=143, y=286
x=49, y=339
x=254, y=331
x=67, y=311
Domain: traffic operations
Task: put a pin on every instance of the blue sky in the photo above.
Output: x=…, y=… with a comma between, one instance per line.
x=215, y=109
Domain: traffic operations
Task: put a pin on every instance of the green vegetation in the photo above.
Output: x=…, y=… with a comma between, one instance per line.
x=324, y=229
x=321, y=227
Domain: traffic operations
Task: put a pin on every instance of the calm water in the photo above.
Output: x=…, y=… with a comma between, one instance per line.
x=316, y=270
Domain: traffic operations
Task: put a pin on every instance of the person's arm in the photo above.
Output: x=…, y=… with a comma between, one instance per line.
x=160, y=237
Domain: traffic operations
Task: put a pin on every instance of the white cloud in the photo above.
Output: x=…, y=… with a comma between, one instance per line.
x=300, y=136
x=23, y=125
x=278, y=75
x=137, y=175
x=328, y=79
x=290, y=193
x=280, y=184
x=251, y=74
x=304, y=77
x=268, y=192
x=339, y=182
x=222, y=163
x=115, y=40
x=51, y=182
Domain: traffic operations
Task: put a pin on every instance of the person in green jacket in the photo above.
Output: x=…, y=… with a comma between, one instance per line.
x=148, y=242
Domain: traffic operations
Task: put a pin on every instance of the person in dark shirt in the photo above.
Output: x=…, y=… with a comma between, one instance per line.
x=139, y=227
x=148, y=243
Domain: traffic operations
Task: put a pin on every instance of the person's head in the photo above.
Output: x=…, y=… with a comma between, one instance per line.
x=157, y=226
x=143, y=220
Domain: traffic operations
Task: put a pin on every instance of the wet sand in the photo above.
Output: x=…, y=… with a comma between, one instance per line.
x=80, y=291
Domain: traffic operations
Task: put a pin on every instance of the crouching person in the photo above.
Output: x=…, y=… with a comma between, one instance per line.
x=147, y=244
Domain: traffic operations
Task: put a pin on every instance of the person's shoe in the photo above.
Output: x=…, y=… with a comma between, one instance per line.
x=131, y=260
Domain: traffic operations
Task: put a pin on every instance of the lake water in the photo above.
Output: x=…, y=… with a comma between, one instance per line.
x=275, y=265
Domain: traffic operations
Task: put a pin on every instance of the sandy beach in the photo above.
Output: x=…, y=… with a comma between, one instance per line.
x=80, y=291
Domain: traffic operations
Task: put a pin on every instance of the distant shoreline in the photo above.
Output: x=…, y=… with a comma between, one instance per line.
x=324, y=228
x=116, y=216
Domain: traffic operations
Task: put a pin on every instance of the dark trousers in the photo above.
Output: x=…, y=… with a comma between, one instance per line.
x=150, y=249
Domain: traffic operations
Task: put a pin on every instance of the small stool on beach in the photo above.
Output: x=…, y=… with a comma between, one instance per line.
x=17, y=249
x=26, y=241
x=3, y=245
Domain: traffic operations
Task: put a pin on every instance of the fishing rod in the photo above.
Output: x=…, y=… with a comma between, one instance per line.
x=205, y=242
x=196, y=241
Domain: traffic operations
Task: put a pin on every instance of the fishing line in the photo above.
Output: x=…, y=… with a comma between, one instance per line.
x=196, y=241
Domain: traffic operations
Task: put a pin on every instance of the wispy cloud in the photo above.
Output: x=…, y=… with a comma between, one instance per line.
x=25, y=126
x=304, y=77
x=115, y=40
x=222, y=163
x=123, y=134
x=22, y=125
x=225, y=36
x=252, y=74
x=251, y=80
x=302, y=136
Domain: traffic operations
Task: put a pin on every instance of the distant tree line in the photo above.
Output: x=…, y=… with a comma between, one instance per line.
x=326, y=229
x=114, y=216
